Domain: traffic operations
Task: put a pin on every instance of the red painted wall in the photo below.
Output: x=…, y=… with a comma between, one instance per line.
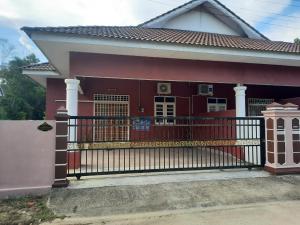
x=183, y=91
x=112, y=66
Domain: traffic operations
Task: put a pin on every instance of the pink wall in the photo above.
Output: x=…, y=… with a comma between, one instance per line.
x=27, y=157
x=132, y=67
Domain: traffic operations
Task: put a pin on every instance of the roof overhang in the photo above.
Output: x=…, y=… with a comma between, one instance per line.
x=41, y=76
x=57, y=48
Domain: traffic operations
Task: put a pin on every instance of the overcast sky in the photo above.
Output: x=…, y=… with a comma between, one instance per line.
x=277, y=19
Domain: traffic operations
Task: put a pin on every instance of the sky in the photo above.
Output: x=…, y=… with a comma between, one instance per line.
x=277, y=19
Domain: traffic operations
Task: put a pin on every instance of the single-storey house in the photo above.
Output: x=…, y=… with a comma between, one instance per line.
x=184, y=90
x=198, y=59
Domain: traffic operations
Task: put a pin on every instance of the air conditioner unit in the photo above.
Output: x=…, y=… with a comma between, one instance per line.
x=164, y=88
x=205, y=89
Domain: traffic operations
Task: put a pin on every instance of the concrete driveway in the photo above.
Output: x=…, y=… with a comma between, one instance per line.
x=271, y=213
x=248, y=195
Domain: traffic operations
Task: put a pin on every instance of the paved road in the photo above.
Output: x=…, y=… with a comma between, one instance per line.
x=277, y=213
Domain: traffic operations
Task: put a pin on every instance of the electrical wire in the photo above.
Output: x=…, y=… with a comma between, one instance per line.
x=284, y=26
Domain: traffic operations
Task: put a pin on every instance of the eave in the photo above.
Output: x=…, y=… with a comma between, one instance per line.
x=57, y=48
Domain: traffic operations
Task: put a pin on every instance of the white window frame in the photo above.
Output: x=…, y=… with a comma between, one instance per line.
x=165, y=111
x=217, y=105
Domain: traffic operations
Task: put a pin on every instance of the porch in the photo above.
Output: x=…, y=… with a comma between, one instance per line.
x=124, y=97
x=129, y=126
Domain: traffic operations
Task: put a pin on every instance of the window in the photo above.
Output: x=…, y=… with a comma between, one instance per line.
x=111, y=106
x=257, y=105
x=216, y=104
x=164, y=107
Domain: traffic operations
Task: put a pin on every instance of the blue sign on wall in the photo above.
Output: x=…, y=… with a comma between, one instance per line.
x=141, y=124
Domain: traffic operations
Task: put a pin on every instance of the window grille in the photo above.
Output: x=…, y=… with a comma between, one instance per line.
x=257, y=105
x=111, y=106
x=111, y=98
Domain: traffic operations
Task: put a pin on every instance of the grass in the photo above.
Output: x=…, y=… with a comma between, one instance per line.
x=25, y=210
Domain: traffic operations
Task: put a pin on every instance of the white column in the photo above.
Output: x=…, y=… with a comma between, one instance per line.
x=72, y=96
x=240, y=100
x=72, y=86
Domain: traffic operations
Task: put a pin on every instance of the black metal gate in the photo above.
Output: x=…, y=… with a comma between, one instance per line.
x=97, y=145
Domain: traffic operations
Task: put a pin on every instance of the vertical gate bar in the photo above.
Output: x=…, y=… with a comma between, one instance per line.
x=224, y=155
x=192, y=148
x=240, y=151
x=86, y=130
x=124, y=154
x=129, y=157
x=236, y=156
x=86, y=161
x=97, y=160
x=144, y=158
x=134, y=161
x=256, y=152
x=73, y=141
x=164, y=158
x=197, y=155
x=103, y=156
x=119, y=159
x=252, y=157
x=114, y=159
x=201, y=157
x=174, y=157
x=219, y=153
x=210, y=156
x=239, y=129
x=159, y=158
x=188, y=156
x=169, y=158
x=154, y=159
x=262, y=142
x=74, y=158
x=92, y=151
x=178, y=158
x=68, y=139
x=183, y=150
x=108, y=159
x=139, y=159
x=206, y=156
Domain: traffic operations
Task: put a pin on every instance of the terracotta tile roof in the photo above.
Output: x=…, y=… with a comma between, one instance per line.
x=40, y=67
x=171, y=36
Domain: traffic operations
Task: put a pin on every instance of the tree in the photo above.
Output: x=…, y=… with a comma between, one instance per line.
x=23, y=98
x=6, y=50
x=297, y=40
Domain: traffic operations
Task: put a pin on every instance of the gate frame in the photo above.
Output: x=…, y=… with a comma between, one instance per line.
x=261, y=146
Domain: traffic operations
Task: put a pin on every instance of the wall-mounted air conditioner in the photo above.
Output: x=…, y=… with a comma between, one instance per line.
x=205, y=89
x=164, y=88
